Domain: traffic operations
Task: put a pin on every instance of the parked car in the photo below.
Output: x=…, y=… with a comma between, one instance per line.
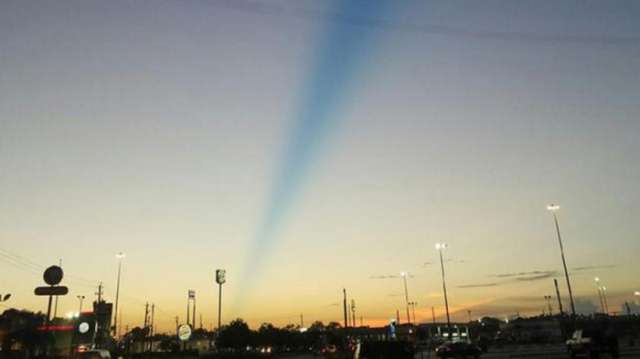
x=458, y=350
x=592, y=343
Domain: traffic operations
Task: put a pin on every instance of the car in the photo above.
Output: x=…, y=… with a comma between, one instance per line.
x=592, y=343
x=458, y=350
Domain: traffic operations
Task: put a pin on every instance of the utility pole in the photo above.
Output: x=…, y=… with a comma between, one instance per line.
x=406, y=295
x=440, y=247
x=55, y=308
x=361, y=321
x=301, y=320
x=188, y=309
x=344, y=307
x=398, y=316
x=146, y=325
x=555, y=282
x=548, y=298
x=433, y=315
x=469, y=313
x=200, y=320
x=80, y=299
x=146, y=314
x=151, y=331
x=194, y=310
x=353, y=313
x=99, y=292
x=553, y=208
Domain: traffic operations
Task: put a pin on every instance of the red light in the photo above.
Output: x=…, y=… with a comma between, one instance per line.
x=52, y=328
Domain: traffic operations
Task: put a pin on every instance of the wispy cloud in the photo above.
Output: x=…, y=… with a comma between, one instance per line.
x=479, y=285
x=388, y=276
x=522, y=274
x=587, y=268
x=531, y=278
x=515, y=277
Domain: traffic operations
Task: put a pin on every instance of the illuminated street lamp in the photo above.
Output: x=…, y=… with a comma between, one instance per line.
x=440, y=247
x=120, y=256
x=553, y=208
x=406, y=295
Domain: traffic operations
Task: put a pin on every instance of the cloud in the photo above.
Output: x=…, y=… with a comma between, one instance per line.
x=388, y=276
x=480, y=285
x=531, y=278
x=522, y=274
x=587, y=268
x=383, y=276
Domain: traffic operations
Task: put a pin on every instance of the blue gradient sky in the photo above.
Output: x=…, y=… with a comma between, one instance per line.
x=174, y=131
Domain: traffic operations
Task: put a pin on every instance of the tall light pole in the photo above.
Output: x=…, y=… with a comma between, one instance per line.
x=440, y=247
x=119, y=256
x=221, y=278
x=553, y=208
x=604, y=297
x=600, y=298
x=406, y=295
x=80, y=299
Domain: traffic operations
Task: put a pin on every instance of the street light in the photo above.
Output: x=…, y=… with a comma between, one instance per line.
x=440, y=247
x=600, y=297
x=80, y=298
x=553, y=208
x=604, y=297
x=119, y=256
x=5, y=297
x=406, y=295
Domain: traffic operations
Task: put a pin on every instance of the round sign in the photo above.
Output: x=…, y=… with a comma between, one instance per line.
x=83, y=327
x=53, y=275
x=184, y=332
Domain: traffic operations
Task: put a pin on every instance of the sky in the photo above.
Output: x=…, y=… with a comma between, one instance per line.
x=308, y=146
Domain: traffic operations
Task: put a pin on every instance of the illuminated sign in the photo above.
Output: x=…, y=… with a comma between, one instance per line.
x=184, y=332
x=221, y=276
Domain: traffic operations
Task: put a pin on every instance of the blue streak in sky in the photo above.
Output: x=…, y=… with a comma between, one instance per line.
x=339, y=57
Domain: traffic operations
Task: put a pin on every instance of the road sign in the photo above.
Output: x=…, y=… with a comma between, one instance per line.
x=53, y=290
x=53, y=275
x=184, y=332
x=221, y=276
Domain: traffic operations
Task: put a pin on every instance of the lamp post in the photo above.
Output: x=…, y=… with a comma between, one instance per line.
x=119, y=256
x=548, y=299
x=600, y=297
x=604, y=297
x=221, y=278
x=553, y=208
x=440, y=247
x=80, y=299
x=406, y=295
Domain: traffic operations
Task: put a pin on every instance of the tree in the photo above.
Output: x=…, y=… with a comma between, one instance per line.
x=236, y=335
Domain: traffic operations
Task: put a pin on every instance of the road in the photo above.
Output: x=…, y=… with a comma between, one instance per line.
x=543, y=351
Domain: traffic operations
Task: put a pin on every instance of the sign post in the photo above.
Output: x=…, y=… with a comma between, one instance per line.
x=220, y=279
x=52, y=276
